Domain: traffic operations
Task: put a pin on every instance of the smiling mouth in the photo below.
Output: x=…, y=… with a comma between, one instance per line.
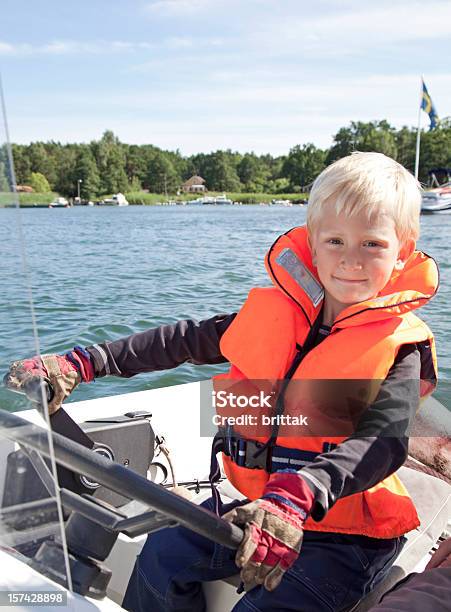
x=350, y=281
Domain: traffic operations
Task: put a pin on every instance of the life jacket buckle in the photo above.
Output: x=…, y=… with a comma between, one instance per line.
x=254, y=459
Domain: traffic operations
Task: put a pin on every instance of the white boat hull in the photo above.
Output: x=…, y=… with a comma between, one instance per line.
x=436, y=200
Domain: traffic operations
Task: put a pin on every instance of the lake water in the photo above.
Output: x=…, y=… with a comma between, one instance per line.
x=101, y=273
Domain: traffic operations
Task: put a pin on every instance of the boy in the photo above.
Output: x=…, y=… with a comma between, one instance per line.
x=327, y=514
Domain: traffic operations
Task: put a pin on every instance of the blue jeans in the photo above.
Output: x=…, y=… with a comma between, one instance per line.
x=332, y=572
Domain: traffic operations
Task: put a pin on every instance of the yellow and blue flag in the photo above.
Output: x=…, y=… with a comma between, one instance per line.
x=428, y=107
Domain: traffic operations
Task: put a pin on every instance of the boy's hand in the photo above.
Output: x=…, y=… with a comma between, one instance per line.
x=62, y=372
x=273, y=528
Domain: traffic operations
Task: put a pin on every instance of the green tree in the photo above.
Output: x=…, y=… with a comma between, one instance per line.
x=110, y=159
x=196, y=165
x=135, y=165
x=302, y=166
x=220, y=173
x=66, y=174
x=435, y=151
x=41, y=161
x=363, y=136
x=179, y=163
x=161, y=174
x=344, y=144
x=86, y=171
x=135, y=184
x=4, y=176
x=39, y=183
x=52, y=149
x=22, y=165
x=253, y=172
x=279, y=185
x=376, y=136
x=405, y=147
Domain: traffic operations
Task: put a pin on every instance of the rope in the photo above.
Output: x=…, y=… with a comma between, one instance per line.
x=420, y=467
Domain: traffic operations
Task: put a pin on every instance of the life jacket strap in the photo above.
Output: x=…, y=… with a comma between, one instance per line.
x=252, y=455
x=215, y=471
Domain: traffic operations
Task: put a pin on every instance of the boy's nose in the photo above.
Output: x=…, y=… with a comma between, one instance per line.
x=351, y=261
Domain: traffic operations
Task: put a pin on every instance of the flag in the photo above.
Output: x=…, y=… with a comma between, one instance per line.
x=428, y=107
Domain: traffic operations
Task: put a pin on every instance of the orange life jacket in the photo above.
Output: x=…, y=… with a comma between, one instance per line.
x=363, y=344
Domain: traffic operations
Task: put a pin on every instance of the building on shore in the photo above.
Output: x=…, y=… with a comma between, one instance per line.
x=195, y=184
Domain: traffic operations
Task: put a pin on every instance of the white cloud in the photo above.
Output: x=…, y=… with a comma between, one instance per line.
x=17, y=49
x=360, y=26
x=191, y=42
x=322, y=28
x=235, y=10
x=122, y=45
x=6, y=49
x=105, y=47
x=71, y=47
x=172, y=8
x=265, y=32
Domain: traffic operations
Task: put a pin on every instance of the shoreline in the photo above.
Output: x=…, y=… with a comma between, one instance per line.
x=41, y=200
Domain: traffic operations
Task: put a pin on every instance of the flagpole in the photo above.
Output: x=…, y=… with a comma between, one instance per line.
x=417, y=151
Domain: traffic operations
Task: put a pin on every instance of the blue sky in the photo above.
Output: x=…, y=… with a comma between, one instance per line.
x=201, y=75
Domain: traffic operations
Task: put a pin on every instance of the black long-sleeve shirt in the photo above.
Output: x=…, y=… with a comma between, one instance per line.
x=376, y=449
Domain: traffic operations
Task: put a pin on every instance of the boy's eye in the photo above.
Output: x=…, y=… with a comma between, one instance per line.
x=334, y=241
x=371, y=243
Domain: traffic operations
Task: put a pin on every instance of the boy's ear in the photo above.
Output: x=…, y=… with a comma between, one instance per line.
x=405, y=252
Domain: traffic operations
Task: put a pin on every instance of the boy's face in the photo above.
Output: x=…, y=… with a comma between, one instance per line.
x=355, y=257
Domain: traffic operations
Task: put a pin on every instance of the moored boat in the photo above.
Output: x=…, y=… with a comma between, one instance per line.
x=219, y=199
x=59, y=203
x=437, y=200
x=118, y=199
x=223, y=200
x=276, y=202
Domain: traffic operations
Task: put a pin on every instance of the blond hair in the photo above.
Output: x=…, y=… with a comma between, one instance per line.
x=370, y=183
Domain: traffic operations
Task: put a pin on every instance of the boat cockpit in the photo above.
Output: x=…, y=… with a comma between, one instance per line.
x=117, y=460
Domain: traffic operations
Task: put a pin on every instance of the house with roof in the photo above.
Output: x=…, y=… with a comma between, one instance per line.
x=195, y=184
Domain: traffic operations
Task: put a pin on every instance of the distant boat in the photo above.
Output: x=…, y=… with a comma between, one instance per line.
x=437, y=200
x=281, y=203
x=118, y=199
x=201, y=201
x=59, y=203
x=80, y=202
x=223, y=199
x=220, y=199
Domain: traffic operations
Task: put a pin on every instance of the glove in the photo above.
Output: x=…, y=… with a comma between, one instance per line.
x=273, y=529
x=62, y=372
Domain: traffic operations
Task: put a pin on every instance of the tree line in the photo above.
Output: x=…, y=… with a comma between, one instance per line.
x=108, y=166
